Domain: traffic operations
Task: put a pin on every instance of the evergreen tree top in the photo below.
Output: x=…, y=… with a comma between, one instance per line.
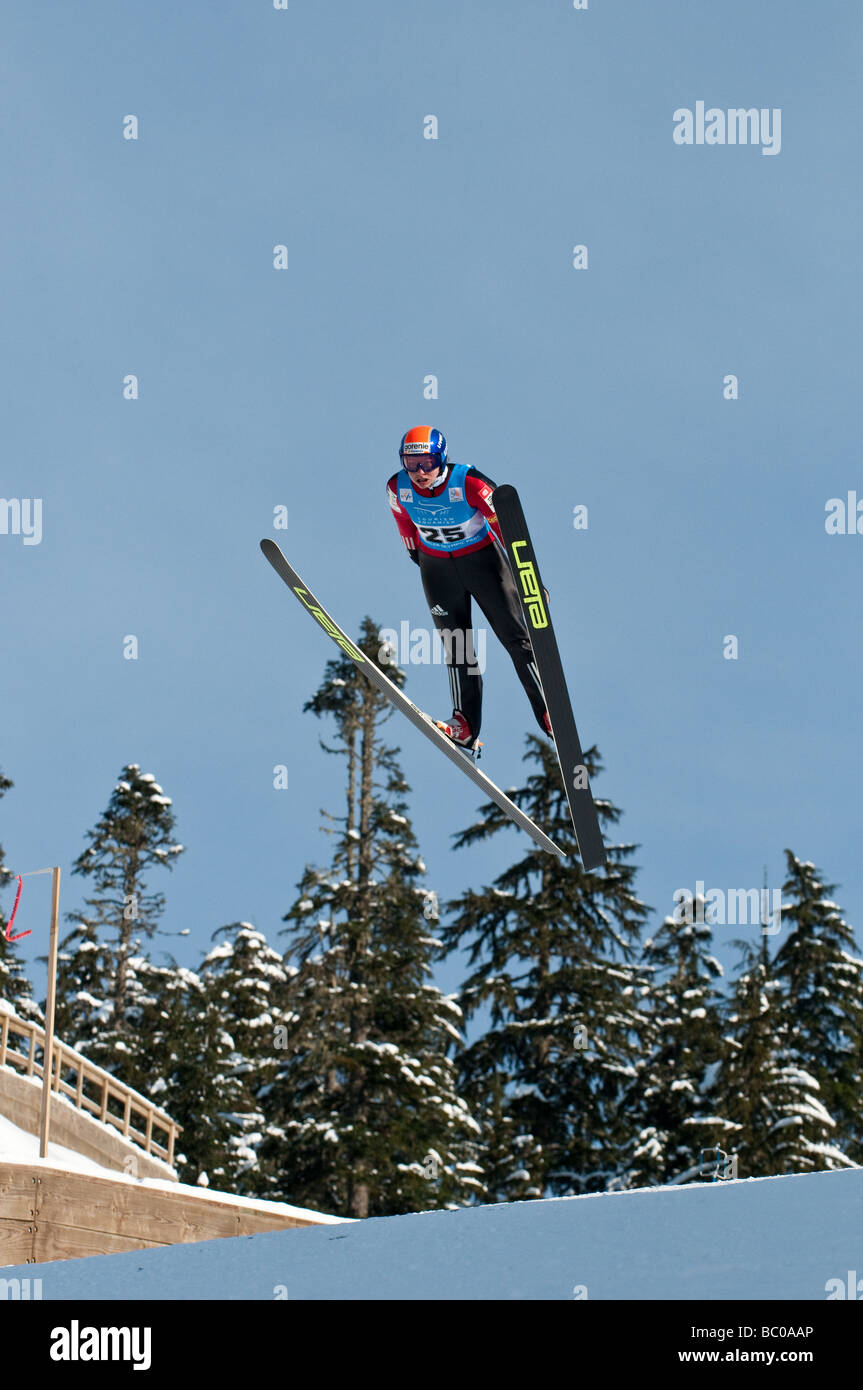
x=136, y=826
x=583, y=916
x=818, y=946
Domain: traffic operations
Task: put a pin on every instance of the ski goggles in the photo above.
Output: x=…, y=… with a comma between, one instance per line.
x=418, y=462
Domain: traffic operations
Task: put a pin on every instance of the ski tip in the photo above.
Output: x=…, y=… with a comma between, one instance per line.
x=594, y=862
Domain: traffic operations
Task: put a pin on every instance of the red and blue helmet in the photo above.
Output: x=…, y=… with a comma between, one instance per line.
x=423, y=440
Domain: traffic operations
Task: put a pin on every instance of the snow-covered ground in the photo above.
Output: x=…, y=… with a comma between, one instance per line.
x=17, y=1146
x=759, y=1238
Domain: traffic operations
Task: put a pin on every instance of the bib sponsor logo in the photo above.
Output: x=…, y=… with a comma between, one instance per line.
x=405, y=494
x=455, y=494
x=436, y=511
x=533, y=601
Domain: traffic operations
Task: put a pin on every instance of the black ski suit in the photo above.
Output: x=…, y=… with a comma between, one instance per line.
x=451, y=580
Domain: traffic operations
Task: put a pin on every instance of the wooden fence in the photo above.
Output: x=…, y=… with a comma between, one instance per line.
x=88, y=1087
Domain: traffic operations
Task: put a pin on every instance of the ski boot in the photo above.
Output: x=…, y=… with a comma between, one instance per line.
x=458, y=731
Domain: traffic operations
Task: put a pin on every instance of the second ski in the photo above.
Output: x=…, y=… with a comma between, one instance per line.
x=522, y=558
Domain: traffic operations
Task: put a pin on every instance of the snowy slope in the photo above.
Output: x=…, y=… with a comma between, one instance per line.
x=761, y=1238
x=17, y=1146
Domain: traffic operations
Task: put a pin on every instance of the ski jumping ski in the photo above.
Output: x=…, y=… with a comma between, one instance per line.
x=418, y=718
x=522, y=558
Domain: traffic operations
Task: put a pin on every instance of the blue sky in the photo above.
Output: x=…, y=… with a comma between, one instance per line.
x=410, y=257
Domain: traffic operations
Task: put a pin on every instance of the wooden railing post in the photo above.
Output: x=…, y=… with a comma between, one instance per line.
x=48, y=1047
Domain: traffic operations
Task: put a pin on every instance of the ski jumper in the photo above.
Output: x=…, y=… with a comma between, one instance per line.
x=450, y=531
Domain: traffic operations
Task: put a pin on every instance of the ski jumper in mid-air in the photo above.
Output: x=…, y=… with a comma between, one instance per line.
x=445, y=516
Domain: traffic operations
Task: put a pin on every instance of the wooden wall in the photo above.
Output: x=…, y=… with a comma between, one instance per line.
x=51, y=1214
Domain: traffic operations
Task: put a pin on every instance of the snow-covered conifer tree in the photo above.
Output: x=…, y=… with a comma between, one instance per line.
x=550, y=950
x=366, y=1117
x=670, y=1101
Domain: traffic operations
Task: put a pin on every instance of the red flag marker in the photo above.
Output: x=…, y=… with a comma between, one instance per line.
x=9, y=936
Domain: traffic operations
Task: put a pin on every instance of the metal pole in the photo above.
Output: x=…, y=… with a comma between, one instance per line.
x=48, y=1053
